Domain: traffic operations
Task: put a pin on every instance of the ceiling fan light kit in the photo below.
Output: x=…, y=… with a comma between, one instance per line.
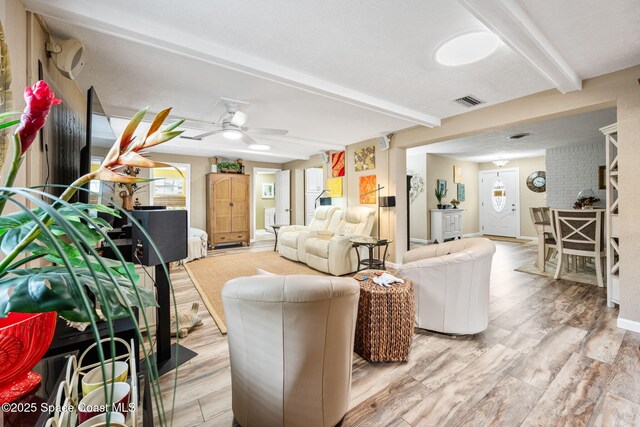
x=232, y=134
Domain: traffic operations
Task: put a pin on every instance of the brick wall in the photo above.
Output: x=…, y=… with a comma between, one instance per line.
x=573, y=168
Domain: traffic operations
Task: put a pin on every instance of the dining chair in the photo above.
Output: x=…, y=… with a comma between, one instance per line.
x=579, y=233
x=540, y=217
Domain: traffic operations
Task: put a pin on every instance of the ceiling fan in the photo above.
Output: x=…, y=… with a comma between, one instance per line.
x=231, y=126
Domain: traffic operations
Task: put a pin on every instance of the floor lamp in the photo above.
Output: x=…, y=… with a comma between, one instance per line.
x=383, y=202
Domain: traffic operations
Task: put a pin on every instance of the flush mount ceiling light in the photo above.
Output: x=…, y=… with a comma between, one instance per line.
x=467, y=48
x=500, y=163
x=259, y=147
x=232, y=134
x=518, y=136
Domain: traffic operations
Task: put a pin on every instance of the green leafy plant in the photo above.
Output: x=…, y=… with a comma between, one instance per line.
x=440, y=194
x=66, y=239
x=229, y=166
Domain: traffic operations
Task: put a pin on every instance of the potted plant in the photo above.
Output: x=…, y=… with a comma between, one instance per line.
x=455, y=203
x=440, y=194
x=70, y=280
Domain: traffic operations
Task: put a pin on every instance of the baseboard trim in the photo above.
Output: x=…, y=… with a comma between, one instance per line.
x=629, y=325
x=466, y=236
x=533, y=239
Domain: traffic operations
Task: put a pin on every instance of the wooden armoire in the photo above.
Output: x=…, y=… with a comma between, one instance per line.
x=228, y=199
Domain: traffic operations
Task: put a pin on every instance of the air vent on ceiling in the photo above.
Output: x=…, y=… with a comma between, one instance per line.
x=468, y=101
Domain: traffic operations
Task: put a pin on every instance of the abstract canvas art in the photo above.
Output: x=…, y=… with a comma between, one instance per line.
x=337, y=164
x=457, y=174
x=365, y=158
x=367, y=185
x=334, y=185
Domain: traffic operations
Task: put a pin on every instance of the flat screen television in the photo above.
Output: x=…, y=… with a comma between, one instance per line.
x=99, y=133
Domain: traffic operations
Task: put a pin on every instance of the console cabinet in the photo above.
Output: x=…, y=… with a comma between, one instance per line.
x=446, y=224
x=228, y=198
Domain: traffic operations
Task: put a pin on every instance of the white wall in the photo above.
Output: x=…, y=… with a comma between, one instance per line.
x=571, y=169
x=418, y=208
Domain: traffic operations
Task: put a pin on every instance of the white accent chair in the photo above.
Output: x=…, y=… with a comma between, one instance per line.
x=291, y=238
x=451, y=284
x=331, y=251
x=291, y=348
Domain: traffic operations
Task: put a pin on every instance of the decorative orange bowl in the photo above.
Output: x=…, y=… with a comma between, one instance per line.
x=24, y=339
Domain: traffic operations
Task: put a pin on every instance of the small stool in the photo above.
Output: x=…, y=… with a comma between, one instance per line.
x=386, y=316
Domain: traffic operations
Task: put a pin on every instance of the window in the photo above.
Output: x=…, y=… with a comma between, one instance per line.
x=499, y=196
x=170, y=187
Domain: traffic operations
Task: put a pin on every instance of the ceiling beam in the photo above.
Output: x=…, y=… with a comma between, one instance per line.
x=509, y=21
x=98, y=16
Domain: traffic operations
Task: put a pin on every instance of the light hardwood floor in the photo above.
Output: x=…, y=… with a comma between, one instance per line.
x=552, y=355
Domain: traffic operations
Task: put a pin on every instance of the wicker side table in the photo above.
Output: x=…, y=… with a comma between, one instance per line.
x=385, y=322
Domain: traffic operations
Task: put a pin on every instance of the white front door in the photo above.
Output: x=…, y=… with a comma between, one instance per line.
x=283, y=197
x=500, y=202
x=312, y=189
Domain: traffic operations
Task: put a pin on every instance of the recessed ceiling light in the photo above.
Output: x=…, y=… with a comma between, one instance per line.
x=259, y=147
x=518, y=135
x=232, y=134
x=467, y=48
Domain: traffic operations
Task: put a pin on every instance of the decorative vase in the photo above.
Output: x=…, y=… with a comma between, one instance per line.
x=127, y=203
x=24, y=339
x=439, y=206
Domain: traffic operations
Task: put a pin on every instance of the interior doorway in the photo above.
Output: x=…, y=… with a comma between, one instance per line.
x=500, y=202
x=264, y=203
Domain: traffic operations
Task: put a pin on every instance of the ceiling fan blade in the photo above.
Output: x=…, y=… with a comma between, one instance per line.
x=247, y=139
x=239, y=118
x=202, y=135
x=266, y=131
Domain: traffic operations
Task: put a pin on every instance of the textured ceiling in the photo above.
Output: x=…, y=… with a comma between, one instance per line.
x=378, y=52
x=594, y=36
x=486, y=147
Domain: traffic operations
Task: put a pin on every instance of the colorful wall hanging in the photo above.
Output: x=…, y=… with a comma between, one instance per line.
x=367, y=185
x=365, y=158
x=337, y=164
x=334, y=185
x=461, y=192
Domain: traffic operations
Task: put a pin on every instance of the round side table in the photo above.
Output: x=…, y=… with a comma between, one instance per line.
x=386, y=316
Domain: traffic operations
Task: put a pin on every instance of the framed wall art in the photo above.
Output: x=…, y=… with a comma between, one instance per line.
x=334, y=185
x=367, y=186
x=337, y=164
x=365, y=158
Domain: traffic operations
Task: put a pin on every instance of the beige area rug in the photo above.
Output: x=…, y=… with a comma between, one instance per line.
x=210, y=274
x=585, y=274
x=506, y=239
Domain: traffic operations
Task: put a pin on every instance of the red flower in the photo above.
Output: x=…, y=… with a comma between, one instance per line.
x=39, y=99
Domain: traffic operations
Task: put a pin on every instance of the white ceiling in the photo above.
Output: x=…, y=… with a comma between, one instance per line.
x=490, y=146
x=333, y=72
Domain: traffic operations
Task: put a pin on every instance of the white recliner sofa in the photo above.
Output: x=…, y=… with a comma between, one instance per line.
x=451, y=284
x=330, y=250
x=291, y=239
x=291, y=348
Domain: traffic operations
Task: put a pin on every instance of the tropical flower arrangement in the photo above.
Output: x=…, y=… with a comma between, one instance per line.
x=51, y=247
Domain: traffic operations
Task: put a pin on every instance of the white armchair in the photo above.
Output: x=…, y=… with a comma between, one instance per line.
x=331, y=251
x=291, y=348
x=291, y=239
x=451, y=284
